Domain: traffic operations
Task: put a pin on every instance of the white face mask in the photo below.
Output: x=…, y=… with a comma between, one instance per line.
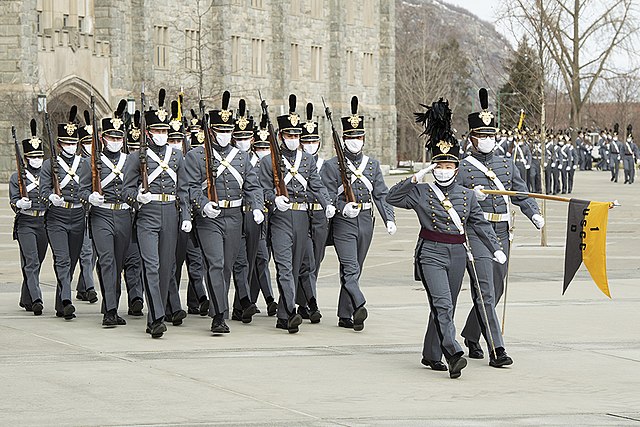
x=114, y=146
x=292, y=144
x=311, y=147
x=176, y=145
x=354, y=145
x=160, y=139
x=87, y=148
x=486, y=145
x=243, y=144
x=70, y=149
x=35, y=163
x=262, y=153
x=444, y=176
x=223, y=139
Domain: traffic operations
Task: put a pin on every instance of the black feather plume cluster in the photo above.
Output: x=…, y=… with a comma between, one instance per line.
x=437, y=122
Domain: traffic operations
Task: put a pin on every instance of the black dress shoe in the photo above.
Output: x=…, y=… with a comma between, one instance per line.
x=37, y=308
x=193, y=310
x=91, y=296
x=272, y=309
x=315, y=316
x=178, y=317
x=281, y=323
x=456, y=365
x=204, y=308
x=109, y=320
x=247, y=313
x=436, y=365
x=26, y=307
x=258, y=310
x=293, y=323
x=345, y=322
x=68, y=311
x=303, y=312
x=135, y=309
x=81, y=296
x=475, y=351
x=218, y=325
x=236, y=314
x=157, y=328
x=120, y=320
x=359, y=316
x=501, y=359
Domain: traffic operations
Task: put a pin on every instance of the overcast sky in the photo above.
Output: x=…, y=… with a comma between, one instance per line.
x=485, y=9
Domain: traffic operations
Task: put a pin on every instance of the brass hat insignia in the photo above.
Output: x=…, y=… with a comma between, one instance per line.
x=175, y=124
x=89, y=129
x=116, y=122
x=242, y=123
x=310, y=127
x=200, y=136
x=444, y=146
x=263, y=134
x=70, y=128
x=224, y=115
x=354, y=121
x=162, y=114
x=135, y=134
x=486, y=117
x=35, y=142
x=194, y=122
x=294, y=119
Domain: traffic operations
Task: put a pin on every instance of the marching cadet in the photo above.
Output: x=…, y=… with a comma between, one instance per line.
x=629, y=150
x=218, y=223
x=534, y=181
x=573, y=164
x=65, y=218
x=564, y=161
x=28, y=227
x=352, y=229
x=521, y=156
x=132, y=262
x=319, y=230
x=479, y=171
x=85, y=289
x=614, y=154
x=549, y=163
x=161, y=206
x=289, y=219
x=109, y=215
x=557, y=165
x=440, y=255
x=603, y=151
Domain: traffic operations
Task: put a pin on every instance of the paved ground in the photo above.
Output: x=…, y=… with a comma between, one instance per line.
x=577, y=357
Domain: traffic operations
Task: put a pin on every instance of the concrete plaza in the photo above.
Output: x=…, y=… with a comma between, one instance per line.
x=576, y=357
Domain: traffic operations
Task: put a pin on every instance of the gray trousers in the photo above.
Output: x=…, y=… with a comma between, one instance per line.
x=614, y=165
x=440, y=267
x=629, y=168
x=288, y=233
x=219, y=241
x=351, y=239
x=87, y=264
x=32, y=240
x=156, y=229
x=65, y=231
x=534, y=180
x=111, y=231
x=187, y=251
x=491, y=277
x=261, y=278
x=244, y=266
x=133, y=270
x=314, y=255
x=564, y=177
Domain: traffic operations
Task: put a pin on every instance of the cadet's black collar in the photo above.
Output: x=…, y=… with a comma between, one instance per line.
x=110, y=155
x=447, y=188
x=353, y=157
x=482, y=156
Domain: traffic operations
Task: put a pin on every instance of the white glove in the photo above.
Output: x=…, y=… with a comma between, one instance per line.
x=479, y=194
x=568, y=168
x=553, y=165
x=23, y=203
x=96, y=199
x=351, y=210
x=56, y=200
x=575, y=167
x=508, y=154
x=391, y=228
x=538, y=221
x=186, y=226
x=258, y=216
x=330, y=211
x=211, y=210
x=418, y=176
x=143, y=198
x=282, y=203
x=499, y=257
x=527, y=167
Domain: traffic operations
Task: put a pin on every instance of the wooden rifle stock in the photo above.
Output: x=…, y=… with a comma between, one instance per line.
x=20, y=167
x=144, y=176
x=345, y=172
x=212, y=194
x=96, y=151
x=55, y=177
x=277, y=164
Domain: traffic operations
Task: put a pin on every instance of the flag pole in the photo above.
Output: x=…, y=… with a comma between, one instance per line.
x=539, y=196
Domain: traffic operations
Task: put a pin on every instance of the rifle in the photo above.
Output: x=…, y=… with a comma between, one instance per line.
x=184, y=122
x=212, y=194
x=144, y=176
x=276, y=156
x=345, y=172
x=55, y=177
x=126, y=122
x=96, y=150
x=20, y=167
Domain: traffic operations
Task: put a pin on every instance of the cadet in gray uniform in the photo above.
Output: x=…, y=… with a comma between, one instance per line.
x=352, y=229
x=573, y=165
x=534, y=181
x=319, y=230
x=629, y=157
x=218, y=223
x=159, y=212
x=289, y=219
x=28, y=226
x=446, y=212
x=65, y=218
x=109, y=215
x=85, y=288
x=614, y=154
x=564, y=162
x=479, y=171
x=521, y=156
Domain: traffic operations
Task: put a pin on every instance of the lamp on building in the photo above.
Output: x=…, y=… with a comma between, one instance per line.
x=42, y=103
x=131, y=106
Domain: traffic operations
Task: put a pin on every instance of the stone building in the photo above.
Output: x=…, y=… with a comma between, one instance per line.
x=62, y=51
